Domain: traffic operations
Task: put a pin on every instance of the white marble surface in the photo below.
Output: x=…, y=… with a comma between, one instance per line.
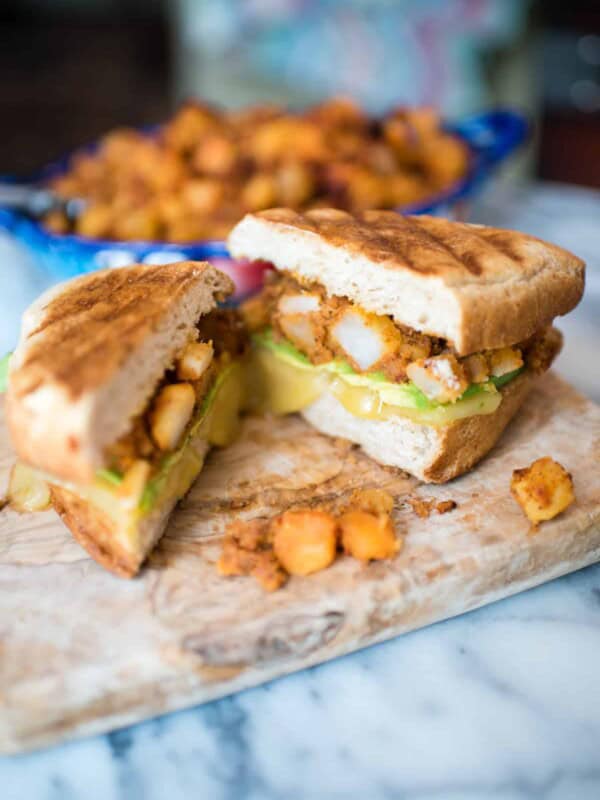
x=501, y=703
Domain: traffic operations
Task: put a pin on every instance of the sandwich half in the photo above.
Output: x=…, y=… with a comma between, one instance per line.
x=415, y=337
x=120, y=383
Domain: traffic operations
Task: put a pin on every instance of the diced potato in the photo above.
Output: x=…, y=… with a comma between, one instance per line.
x=134, y=482
x=299, y=330
x=171, y=413
x=304, y=303
x=27, y=491
x=57, y=222
x=259, y=192
x=95, y=221
x=305, y=541
x=202, y=195
x=195, y=360
x=440, y=378
x=367, y=536
x=504, y=360
x=543, y=490
x=295, y=184
x=363, y=338
x=140, y=224
x=477, y=368
x=215, y=155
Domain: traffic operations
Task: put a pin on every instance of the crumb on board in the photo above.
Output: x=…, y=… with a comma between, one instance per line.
x=425, y=507
x=544, y=489
x=247, y=550
x=307, y=540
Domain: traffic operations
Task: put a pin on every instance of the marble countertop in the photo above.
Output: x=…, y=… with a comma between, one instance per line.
x=502, y=703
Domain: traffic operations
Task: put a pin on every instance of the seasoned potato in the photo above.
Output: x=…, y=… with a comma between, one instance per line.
x=305, y=541
x=441, y=378
x=367, y=536
x=198, y=175
x=170, y=414
x=95, y=221
x=543, y=490
x=194, y=361
x=57, y=222
x=216, y=154
x=260, y=192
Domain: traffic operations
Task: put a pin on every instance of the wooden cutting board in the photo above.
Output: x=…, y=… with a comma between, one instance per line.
x=83, y=652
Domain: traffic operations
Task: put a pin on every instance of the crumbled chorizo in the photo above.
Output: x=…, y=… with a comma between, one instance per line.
x=424, y=508
x=304, y=541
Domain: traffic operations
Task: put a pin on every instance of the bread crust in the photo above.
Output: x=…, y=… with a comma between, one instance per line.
x=478, y=287
x=95, y=532
x=435, y=455
x=467, y=441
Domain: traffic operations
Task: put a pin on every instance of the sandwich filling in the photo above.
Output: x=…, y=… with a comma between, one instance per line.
x=195, y=405
x=306, y=343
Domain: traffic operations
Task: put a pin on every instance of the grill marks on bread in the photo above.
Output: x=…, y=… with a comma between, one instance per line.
x=87, y=332
x=459, y=253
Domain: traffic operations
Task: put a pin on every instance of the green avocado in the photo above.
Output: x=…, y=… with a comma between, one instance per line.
x=404, y=395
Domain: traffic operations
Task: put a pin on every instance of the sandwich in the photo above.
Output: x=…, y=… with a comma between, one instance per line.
x=416, y=338
x=120, y=383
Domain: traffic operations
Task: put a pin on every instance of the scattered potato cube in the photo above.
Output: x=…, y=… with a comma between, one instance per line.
x=305, y=541
x=367, y=536
x=543, y=490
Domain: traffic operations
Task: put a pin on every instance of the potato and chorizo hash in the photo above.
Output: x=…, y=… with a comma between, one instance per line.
x=197, y=175
x=307, y=540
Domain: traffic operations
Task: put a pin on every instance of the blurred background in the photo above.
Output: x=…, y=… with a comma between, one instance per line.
x=72, y=69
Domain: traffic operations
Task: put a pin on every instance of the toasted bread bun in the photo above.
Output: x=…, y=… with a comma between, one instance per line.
x=91, y=353
x=434, y=455
x=478, y=287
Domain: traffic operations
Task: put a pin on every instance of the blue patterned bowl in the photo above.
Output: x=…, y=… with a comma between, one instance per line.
x=490, y=137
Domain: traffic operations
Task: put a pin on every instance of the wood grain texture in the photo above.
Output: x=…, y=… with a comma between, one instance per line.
x=83, y=652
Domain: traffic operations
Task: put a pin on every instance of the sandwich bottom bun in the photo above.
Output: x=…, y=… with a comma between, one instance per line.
x=435, y=455
x=97, y=532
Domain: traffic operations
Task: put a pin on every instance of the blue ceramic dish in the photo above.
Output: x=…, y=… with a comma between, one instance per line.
x=490, y=137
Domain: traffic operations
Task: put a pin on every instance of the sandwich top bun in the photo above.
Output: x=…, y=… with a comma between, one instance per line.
x=478, y=287
x=92, y=351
